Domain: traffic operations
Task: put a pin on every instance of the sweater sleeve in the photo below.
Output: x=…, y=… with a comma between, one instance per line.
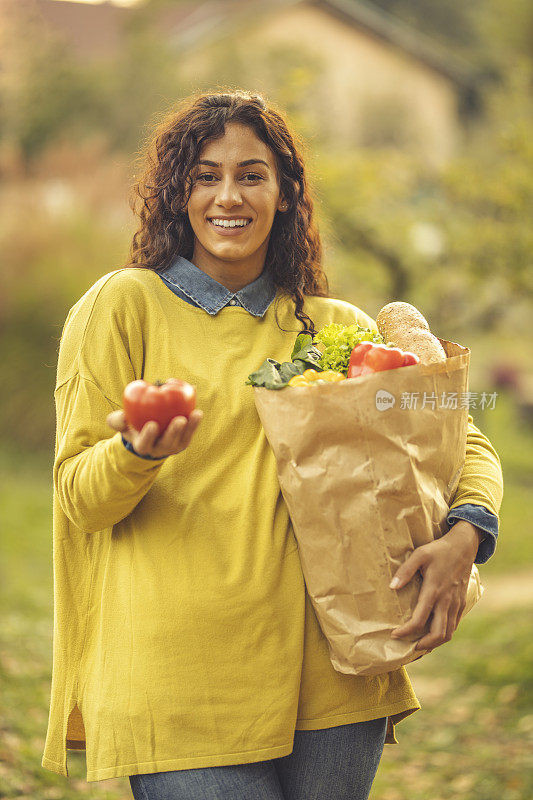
x=486, y=523
x=480, y=484
x=97, y=480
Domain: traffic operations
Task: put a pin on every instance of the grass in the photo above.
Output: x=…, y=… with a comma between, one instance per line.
x=472, y=738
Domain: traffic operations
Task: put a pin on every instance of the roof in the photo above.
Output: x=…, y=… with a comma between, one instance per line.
x=386, y=26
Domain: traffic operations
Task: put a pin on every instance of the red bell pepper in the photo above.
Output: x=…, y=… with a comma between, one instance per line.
x=368, y=357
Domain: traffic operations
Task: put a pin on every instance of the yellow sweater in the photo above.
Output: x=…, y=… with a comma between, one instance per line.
x=183, y=634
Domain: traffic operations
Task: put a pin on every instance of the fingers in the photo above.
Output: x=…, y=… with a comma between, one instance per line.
x=438, y=632
x=117, y=420
x=444, y=620
x=176, y=437
x=144, y=442
x=456, y=612
x=194, y=421
x=179, y=432
x=454, y=615
x=416, y=625
x=441, y=596
x=461, y=610
x=409, y=568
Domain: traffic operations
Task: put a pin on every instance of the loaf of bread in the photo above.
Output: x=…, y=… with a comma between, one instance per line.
x=404, y=326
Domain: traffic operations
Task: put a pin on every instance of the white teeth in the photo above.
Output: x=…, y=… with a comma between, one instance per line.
x=232, y=223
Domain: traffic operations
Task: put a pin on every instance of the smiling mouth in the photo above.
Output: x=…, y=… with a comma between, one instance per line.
x=231, y=228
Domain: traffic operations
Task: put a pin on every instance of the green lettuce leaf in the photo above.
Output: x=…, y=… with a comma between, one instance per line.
x=339, y=341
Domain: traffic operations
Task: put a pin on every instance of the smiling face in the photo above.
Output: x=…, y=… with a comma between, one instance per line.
x=235, y=183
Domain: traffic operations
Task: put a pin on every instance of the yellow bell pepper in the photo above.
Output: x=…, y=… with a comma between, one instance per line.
x=298, y=380
x=331, y=376
x=311, y=377
x=312, y=374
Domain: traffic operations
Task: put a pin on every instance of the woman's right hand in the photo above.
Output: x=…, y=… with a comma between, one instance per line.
x=147, y=442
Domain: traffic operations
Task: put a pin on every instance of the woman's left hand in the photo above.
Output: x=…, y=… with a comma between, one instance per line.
x=445, y=564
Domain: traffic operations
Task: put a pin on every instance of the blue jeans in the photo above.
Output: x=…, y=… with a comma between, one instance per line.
x=332, y=764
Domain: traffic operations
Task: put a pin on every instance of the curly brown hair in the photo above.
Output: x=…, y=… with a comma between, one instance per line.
x=294, y=250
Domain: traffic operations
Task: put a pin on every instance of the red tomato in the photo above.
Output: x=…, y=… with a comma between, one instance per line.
x=144, y=401
x=381, y=358
x=368, y=357
x=409, y=359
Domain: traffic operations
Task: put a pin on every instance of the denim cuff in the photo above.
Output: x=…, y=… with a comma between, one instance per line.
x=129, y=446
x=483, y=519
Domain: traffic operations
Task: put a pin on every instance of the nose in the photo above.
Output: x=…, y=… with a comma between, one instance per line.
x=228, y=194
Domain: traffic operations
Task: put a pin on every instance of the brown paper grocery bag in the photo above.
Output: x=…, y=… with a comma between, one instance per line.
x=368, y=468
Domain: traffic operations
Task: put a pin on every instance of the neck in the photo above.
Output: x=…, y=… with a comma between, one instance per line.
x=234, y=275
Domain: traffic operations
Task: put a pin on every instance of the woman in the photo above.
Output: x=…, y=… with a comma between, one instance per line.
x=187, y=655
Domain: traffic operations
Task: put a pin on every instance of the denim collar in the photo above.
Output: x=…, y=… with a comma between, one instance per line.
x=210, y=295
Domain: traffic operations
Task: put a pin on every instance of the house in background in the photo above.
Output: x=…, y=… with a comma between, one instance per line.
x=366, y=77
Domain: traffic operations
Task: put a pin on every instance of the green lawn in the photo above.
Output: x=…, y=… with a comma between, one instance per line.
x=473, y=737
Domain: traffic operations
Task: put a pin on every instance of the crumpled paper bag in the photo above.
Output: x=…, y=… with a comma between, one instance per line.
x=367, y=477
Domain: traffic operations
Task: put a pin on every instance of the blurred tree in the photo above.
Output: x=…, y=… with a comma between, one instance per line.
x=488, y=192
x=487, y=32
x=140, y=82
x=44, y=93
x=457, y=242
x=448, y=21
x=505, y=30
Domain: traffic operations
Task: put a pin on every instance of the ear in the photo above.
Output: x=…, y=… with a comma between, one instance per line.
x=282, y=205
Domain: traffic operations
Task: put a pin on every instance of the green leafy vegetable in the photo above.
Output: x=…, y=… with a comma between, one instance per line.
x=267, y=375
x=339, y=341
x=273, y=375
x=305, y=352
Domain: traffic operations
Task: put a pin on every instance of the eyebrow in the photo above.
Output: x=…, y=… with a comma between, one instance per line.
x=240, y=164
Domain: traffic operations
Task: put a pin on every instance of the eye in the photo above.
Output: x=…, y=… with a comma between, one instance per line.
x=205, y=175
